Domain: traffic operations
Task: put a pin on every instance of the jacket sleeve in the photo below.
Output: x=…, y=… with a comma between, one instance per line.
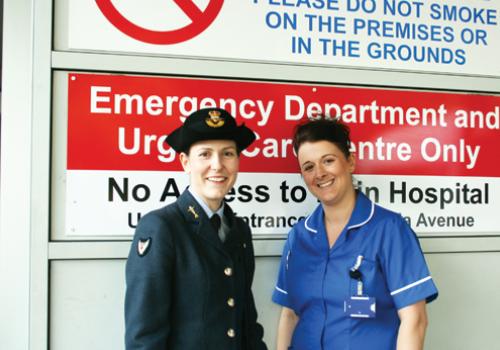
x=280, y=293
x=148, y=281
x=404, y=266
x=254, y=331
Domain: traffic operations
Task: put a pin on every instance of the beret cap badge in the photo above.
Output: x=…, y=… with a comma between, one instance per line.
x=214, y=119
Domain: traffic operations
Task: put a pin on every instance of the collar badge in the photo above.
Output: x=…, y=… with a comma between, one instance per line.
x=192, y=211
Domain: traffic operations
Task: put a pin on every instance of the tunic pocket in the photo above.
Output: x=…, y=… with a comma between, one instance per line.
x=367, y=275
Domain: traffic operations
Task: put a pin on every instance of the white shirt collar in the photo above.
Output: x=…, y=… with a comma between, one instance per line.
x=204, y=205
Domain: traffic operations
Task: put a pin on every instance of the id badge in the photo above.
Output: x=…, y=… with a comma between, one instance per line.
x=360, y=307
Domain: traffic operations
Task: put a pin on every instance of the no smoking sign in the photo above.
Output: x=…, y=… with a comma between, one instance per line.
x=200, y=20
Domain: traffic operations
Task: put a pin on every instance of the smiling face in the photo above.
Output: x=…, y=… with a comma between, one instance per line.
x=327, y=172
x=213, y=167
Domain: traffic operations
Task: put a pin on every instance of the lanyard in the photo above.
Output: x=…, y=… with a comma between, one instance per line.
x=357, y=275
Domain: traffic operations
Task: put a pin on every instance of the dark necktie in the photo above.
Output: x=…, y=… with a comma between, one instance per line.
x=215, y=220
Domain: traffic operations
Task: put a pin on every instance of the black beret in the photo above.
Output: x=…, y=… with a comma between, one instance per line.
x=209, y=124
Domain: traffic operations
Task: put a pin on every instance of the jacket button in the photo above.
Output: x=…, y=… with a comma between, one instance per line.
x=230, y=302
x=231, y=333
x=228, y=271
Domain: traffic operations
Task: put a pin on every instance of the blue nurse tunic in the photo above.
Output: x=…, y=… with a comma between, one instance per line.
x=314, y=279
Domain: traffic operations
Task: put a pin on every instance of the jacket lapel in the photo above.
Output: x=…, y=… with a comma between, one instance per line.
x=197, y=220
x=234, y=238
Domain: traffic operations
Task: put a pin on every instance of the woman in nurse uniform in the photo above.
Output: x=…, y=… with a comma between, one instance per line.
x=352, y=274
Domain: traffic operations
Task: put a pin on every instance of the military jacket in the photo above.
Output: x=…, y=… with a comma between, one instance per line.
x=185, y=288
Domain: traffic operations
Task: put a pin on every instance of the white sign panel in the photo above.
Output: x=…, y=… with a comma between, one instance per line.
x=435, y=36
x=272, y=203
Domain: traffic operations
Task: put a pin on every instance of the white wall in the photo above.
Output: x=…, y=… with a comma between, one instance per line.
x=86, y=302
x=15, y=177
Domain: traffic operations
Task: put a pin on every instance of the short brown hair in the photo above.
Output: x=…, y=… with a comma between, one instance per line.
x=324, y=129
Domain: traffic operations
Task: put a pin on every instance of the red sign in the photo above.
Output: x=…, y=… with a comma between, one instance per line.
x=118, y=122
x=200, y=20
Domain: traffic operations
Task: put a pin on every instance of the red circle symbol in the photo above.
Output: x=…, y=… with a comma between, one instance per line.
x=200, y=20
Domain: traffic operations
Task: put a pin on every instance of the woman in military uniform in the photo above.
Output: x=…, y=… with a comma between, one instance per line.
x=191, y=264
